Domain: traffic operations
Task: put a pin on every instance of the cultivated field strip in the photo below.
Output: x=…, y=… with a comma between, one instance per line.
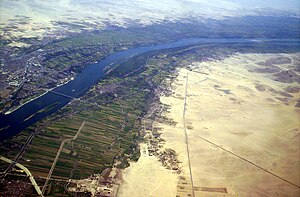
x=102, y=139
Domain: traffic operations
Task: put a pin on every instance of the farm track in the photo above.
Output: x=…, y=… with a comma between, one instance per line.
x=58, y=154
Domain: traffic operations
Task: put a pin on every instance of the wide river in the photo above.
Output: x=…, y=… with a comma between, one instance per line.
x=13, y=123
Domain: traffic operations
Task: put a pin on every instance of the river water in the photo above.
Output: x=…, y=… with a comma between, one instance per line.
x=13, y=123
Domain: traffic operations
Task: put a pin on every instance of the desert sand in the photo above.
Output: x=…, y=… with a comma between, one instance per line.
x=244, y=112
x=148, y=178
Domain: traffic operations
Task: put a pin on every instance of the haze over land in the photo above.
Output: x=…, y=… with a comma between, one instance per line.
x=40, y=18
x=142, y=98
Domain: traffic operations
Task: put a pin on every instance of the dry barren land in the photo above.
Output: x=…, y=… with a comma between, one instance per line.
x=242, y=124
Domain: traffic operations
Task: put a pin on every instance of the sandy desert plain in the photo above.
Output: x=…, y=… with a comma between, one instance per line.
x=234, y=105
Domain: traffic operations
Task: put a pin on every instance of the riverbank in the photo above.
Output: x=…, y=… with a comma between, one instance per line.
x=94, y=72
x=36, y=97
x=146, y=107
x=236, y=116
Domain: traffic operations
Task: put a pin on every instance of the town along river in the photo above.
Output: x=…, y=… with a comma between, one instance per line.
x=13, y=123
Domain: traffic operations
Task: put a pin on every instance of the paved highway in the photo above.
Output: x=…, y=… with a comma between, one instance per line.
x=31, y=178
x=186, y=136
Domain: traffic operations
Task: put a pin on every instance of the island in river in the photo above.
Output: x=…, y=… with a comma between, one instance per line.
x=211, y=116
